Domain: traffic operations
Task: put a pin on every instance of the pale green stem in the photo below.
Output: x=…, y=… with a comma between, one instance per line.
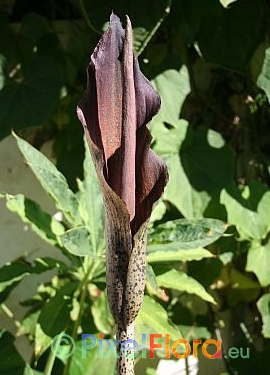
x=87, y=19
x=51, y=359
x=77, y=323
x=155, y=28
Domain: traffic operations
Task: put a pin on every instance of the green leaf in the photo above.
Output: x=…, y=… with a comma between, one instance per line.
x=204, y=167
x=242, y=24
x=94, y=363
x=46, y=226
x=153, y=319
x=51, y=180
x=194, y=333
x=30, y=99
x=54, y=317
x=258, y=261
x=207, y=161
x=186, y=234
x=91, y=205
x=12, y=273
x=248, y=211
x=11, y=361
x=187, y=17
x=180, y=192
x=263, y=305
x=33, y=26
x=264, y=78
x=170, y=84
x=178, y=280
x=77, y=241
x=160, y=254
x=101, y=313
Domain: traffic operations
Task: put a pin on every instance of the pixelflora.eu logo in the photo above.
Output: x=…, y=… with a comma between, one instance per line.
x=63, y=346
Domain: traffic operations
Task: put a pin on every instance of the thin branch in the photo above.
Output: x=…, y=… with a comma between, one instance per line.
x=155, y=28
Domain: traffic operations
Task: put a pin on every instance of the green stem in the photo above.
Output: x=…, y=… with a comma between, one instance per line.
x=49, y=363
x=155, y=28
x=87, y=19
x=83, y=289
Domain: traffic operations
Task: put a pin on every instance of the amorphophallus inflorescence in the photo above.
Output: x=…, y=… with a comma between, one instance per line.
x=114, y=111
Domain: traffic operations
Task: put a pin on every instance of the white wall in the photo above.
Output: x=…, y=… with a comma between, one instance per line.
x=16, y=238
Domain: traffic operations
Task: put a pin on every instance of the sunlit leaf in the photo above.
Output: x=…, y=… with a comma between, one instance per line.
x=178, y=280
x=248, y=211
x=264, y=308
x=153, y=318
x=186, y=234
x=264, y=78
x=258, y=261
x=91, y=204
x=30, y=100
x=158, y=253
x=51, y=180
x=54, y=317
x=45, y=225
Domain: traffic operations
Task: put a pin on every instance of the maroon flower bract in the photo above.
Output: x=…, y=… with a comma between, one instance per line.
x=118, y=103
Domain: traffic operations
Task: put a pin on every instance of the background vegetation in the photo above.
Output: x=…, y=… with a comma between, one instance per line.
x=210, y=62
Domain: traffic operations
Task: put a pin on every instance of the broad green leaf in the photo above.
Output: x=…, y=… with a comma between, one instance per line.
x=178, y=280
x=101, y=313
x=241, y=286
x=92, y=361
x=187, y=200
x=186, y=234
x=263, y=305
x=242, y=24
x=51, y=180
x=158, y=253
x=45, y=225
x=12, y=273
x=28, y=325
x=153, y=319
x=180, y=192
x=33, y=26
x=30, y=100
x=207, y=161
x=54, y=317
x=91, y=205
x=264, y=78
x=11, y=361
x=258, y=261
x=199, y=163
x=77, y=241
x=248, y=211
x=194, y=332
x=170, y=84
